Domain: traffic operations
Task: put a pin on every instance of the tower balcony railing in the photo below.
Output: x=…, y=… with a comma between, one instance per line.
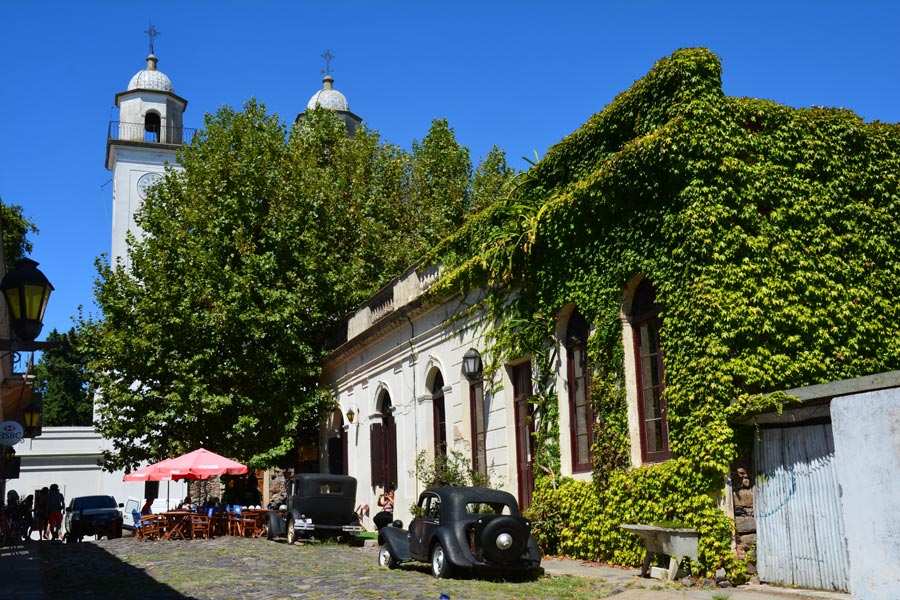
x=139, y=132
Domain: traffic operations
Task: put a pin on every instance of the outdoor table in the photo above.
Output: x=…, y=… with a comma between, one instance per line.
x=178, y=524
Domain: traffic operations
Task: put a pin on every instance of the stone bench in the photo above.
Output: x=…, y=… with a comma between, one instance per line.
x=676, y=543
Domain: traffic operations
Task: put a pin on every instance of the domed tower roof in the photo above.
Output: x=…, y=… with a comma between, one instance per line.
x=151, y=79
x=328, y=97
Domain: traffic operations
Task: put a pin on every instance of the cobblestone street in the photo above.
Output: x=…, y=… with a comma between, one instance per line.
x=229, y=567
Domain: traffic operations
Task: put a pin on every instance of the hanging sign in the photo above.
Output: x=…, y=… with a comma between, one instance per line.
x=11, y=433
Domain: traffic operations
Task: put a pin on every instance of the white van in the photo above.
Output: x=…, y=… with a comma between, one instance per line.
x=134, y=504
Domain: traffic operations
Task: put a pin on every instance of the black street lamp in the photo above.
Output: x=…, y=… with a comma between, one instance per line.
x=472, y=367
x=33, y=415
x=27, y=291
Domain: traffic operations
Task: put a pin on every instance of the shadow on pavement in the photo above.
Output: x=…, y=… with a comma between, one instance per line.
x=87, y=570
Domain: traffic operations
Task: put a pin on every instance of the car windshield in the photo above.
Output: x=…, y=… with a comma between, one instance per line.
x=89, y=502
x=487, y=508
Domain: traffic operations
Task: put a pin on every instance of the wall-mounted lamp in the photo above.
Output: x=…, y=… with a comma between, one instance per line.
x=472, y=367
x=32, y=415
x=26, y=290
x=350, y=415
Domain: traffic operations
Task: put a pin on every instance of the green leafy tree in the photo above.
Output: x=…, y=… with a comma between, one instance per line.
x=15, y=234
x=60, y=376
x=252, y=254
x=490, y=181
x=440, y=185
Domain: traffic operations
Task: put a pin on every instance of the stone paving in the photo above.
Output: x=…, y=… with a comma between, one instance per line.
x=230, y=567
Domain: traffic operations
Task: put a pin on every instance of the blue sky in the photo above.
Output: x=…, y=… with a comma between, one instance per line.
x=518, y=74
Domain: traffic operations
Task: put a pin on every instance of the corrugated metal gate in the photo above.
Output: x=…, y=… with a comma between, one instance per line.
x=799, y=528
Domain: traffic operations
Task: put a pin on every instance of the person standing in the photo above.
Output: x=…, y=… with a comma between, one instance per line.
x=55, y=505
x=40, y=513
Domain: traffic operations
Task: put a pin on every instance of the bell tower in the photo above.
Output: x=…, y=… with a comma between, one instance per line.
x=140, y=144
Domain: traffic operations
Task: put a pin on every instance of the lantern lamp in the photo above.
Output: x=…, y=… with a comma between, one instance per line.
x=33, y=414
x=472, y=364
x=27, y=291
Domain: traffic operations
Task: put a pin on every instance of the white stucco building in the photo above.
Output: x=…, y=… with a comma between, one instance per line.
x=400, y=374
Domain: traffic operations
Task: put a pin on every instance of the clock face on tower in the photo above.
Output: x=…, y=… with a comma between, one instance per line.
x=146, y=181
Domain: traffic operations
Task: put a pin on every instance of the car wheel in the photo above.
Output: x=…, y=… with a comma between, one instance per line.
x=116, y=533
x=290, y=531
x=440, y=562
x=503, y=540
x=386, y=557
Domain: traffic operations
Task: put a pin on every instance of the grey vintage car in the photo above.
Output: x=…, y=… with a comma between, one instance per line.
x=465, y=529
x=319, y=505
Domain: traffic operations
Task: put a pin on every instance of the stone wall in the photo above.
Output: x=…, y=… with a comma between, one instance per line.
x=742, y=481
x=215, y=487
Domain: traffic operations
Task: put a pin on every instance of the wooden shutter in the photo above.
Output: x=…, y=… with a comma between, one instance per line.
x=376, y=435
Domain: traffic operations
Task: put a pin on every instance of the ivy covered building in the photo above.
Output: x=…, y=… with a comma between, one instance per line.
x=665, y=271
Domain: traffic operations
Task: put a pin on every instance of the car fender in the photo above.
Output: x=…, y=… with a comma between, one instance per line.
x=397, y=540
x=533, y=552
x=455, y=550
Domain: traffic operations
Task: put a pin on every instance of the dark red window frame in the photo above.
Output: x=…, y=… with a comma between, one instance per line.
x=479, y=426
x=440, y=416
x=650, y=374
x=581, y=417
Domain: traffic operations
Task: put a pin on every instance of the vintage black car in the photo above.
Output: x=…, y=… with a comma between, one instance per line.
x=319, y=505
x=93, y=515
x=465, y=529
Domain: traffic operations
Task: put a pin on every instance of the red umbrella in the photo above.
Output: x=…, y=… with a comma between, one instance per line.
x=200, y=464
x=149, y=473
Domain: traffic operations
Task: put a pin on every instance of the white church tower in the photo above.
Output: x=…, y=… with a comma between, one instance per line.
x=140, y=144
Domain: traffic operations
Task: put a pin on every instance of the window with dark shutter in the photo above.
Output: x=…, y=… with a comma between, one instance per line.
x=376, y=443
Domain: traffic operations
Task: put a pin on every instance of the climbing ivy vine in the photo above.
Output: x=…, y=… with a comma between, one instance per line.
x=771, y=236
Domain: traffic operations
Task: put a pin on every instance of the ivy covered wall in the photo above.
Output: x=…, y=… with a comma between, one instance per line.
x=771, y=235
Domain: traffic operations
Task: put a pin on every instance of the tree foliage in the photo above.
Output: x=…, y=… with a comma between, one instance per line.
x=770, y=234
x=16, y=228
x=61, y=378
x=250, y=256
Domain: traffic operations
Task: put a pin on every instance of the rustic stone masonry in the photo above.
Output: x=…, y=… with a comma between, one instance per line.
x=214, y=487
x=742, y=480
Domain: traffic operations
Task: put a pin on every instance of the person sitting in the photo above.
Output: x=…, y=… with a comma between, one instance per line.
x=148, y=506
x=384, y=517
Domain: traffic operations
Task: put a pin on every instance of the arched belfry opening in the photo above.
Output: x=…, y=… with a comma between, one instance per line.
x=152, y=126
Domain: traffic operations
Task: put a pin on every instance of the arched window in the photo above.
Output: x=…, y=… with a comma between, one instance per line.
x=581, y=418
x=645, y=323
x=440, y=416
x=152, y=127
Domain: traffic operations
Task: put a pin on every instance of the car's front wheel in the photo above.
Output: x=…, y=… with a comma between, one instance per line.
x=386, y=557
x=291, y=536
x=440, y=563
